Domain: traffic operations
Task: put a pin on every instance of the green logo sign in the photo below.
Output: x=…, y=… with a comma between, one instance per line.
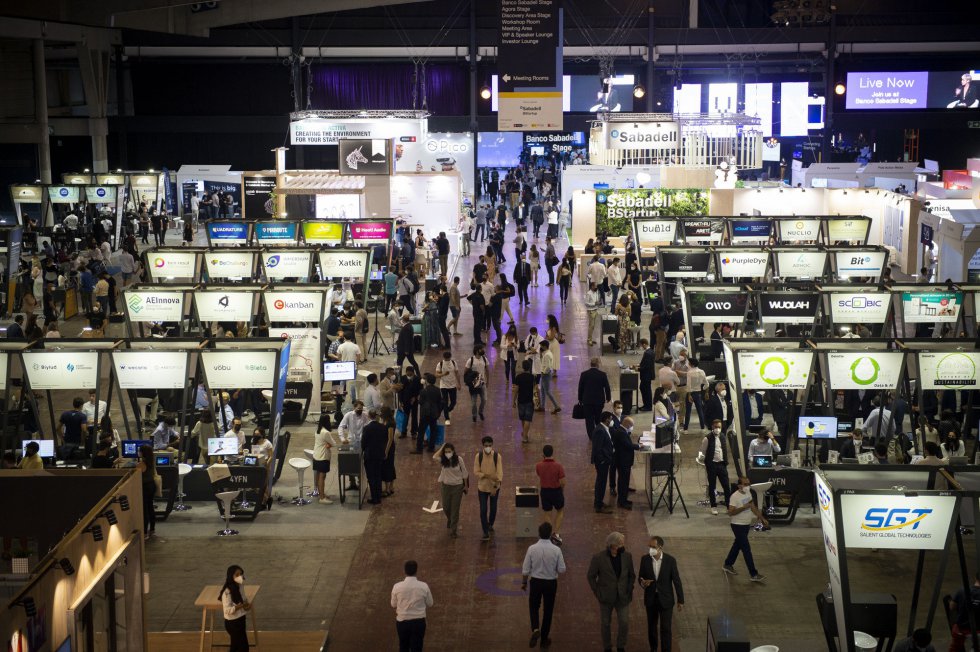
x=774, y=371
x=135, y=304
x=864, y=370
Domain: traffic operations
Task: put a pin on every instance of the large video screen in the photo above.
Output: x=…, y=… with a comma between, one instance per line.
x=499, y=149
x=954, y=89
x=687, y=99
x=758, y=102
x=794, y=108
x=584, y=94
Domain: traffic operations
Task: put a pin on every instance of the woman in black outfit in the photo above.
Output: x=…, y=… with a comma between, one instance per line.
x=148, y=471
x=234, y=605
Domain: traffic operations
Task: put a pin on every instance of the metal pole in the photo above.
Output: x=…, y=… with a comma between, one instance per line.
x=474, y=99
x=829, y=84
x=296, y=66
x=44, y=137
x=650, y=58
x=121, y=111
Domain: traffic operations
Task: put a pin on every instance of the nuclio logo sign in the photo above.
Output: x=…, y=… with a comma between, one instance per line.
x=793, y=308
x=903, y=522
x=859, y=308
x=805, y=231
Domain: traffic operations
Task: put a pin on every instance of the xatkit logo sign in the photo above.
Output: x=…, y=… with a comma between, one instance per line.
x=343, y=264
x=860, y=308
x=904, y=522
x=643, y=135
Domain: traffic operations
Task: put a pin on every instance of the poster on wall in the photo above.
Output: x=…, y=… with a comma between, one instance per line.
x=684, y=263
x=655, y=232
x=143, y=306
x=742, y=264
x=61, y=369
x=774, y=369
x=370, y=232
x=938, y=307
x=717, y=307
x=798, y=231
x=284, y=306
x=224, y=306
x=848, y=229
x=258, y=202
x=897, y=522
x=860, y=263
x=305, y=360
x=239, y=369
x=230, y=264
x=865, y=369
x=227, y=233
x=801, y=264
x=150, y=369
x=364, y=157
x=172, y=264
x=859, y=307
x=948, y=369
x=788, y=308
x=276, y=233
x=286, y=264
x=323, y=233
x=344, y=264
x=338, y=207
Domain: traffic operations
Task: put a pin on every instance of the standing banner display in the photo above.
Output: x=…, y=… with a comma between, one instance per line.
x=223, y=234
x=150, y=369
x=940, y=370
x=61, y=369
x=788, y=307
x=220, y=305
x=282, y=373
x=257, y=200
x=749, y=230
x=851, y=263
x=774, y=369
x=345, y=263
x=897, y=522
x=284, y=234
x=697, y=230
x=712, y=307
x=797, y=264
x=859, y=307
x=286, y=264
x=154, y=306
x=294, y=306
x=15, y=245
x=239, y=369
x=654, y=232
x=829, y=507
x=677, y=262
x=797, y=231
x=323, y=233
x=742, y=263
x=367, y=233
x=229, y=264
x=929, y=307
x=172, y=264
x=865, y=369
x=848, y=229
x=305, y=360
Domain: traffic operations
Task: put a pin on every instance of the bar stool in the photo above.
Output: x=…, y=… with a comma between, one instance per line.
x=308, y=452
x=226, y=497
x=182, y=470
x=300, y=464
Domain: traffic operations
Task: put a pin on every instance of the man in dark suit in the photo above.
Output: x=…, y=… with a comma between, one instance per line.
x=624, y=451
x=409, y=387
x=522, y=276
x=646, y=369
x=719, y=407
x=430, y=407
x=374, y=441
x=405, y=346
x=752, y=405
x=593, y=393
x=715, y=452
x=602, y=457
x=611, y=578
x=660, y=580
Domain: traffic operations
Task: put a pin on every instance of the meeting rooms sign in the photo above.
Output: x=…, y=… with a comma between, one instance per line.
x=774, y=369
x=224, y=306
x=240, y=369
x=865, y=369
x=61, y=369
x=897, y=522
x=343, y=264
x=948, y=369
x=150, y=369
x=859, y=307
x=293, y=306
x=155, y=306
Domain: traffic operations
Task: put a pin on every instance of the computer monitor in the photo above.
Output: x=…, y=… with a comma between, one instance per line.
x=131, y=447
x=762, y=461
x=339, y=371
x=250, y=460
x=845, y=427
x=222, y=445
x=817, y=428
x=45, y=446
x=164, y=459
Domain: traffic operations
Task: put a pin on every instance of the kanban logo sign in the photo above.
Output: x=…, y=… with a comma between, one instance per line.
x=279, y=304
x=824, y=497
x=864, y=370
x=135, y=303
x=883, y=519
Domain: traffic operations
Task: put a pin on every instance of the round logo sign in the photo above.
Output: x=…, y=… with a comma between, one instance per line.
x=774, y=371
x=159, y=262
x=63, y=192
x=279, y=304
x=864, y=370
x=100, y=192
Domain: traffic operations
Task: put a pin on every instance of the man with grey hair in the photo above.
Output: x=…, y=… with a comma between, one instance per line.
x=611, y=577
x=374, y=441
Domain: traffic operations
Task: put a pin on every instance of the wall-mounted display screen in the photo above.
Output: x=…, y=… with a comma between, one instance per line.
x=794, y=108
x=499, y=149
x=954, y=89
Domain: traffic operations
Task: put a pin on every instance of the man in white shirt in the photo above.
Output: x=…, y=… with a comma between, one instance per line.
x=597, y=275
x=615, y=275
x=697, y=382
x=352, y=425
x=348, y=351
x=478, y=388
x=89, y=409
x=677, y=345
x=372, y=395
x=764, y=444
x=410, y=598
x=592, y=309
x=532, y=351
x=743, y=511
x=447, y=371
x=543, y=562
x=879, y=418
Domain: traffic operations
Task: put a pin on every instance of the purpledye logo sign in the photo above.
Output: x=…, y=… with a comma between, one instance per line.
x=887, y=90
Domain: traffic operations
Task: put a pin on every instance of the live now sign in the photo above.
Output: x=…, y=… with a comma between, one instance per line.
x=530, y=110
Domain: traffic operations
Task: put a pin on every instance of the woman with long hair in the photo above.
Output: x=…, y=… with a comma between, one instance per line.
x=508, y=349
x=555, y=339
x=564, y=280
x=534, y=258
x=202, y=431
x=234, y=606
x=455, y=482
x=387, y=419
x=148, y=472
x=322, y=443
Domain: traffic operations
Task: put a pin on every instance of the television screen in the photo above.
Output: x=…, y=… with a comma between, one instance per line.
x=794, y=108
x=499, y=149
x=687, y=99
x=818, y=427
x=223, y=446
x=339, y=371
x=131, y=447
x=46, y=446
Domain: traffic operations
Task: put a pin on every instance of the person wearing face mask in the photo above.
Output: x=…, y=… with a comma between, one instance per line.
x=387, y=388
x=719, y=406
x=489, y=473
x=261, y=447
x=742, y=510
x=952, y=447
x=543, y=562
x=236, y=432
x=234, y=606
x=752, y=405
x=611, y=577
x=660, y=581
x=454, y=482
x=617, y=411
x=593, y=393
x=602, y=458
x=715, y=453
x=624, y=451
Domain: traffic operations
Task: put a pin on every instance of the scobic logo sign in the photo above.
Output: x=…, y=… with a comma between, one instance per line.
x=860, y=302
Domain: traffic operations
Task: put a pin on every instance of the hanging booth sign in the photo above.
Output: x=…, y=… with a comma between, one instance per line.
x=329, y=233
x=859, y=307
x=642, y=135
x=860, y=263
x=143, y=306
x=286, y=264
x=229, y=264
x=798, y=231
x=276, y=233
x=325, y=131
x=801, y=264
x=774, y=369
x=100, y=194
x=848, y=229
x=740, y=264
x=27, y=194
x=684, y=263
x=717, y=307
x=344, y=264
x=240, y=369
x=224, y=306
x=749, y=230
x=788, y=307
x=63, y=194
x=150, y=369
x=948, y=369
x=364, y=157
x=172, y=264
x=654, y=232
x=285, y=306
x=704, y=231
x=928, y=307
x=227, y=233
x=257, y=200
x=828, y=523
x=61, y=369
x=865, y=369
x=897, y=522
x=370, y=232
x=110, y=179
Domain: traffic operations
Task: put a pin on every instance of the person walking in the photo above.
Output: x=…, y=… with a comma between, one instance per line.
x=374, y=444
x=476, y=377
x=543, y=562
x=410, y=598
x=611, y=577
x=591, y=310
x=442, y=249
x=742, y=510
x=555, y=339
x=405, y=345
x=593, y=393
x=522, y=276
x=524, y=384
x=547, y=370
x=447, y=371
x=508, y=351
x=602, y=457
x=454, y=481
x=551, y=488
x=409, y=388
x=479, y=304
x=481, y=225
x=489, y=469
x=455, y=305
x=430, y=406
x=659, y=579
x=564, y=282
x=234, y=607
x=550, y=260
x=534, y=258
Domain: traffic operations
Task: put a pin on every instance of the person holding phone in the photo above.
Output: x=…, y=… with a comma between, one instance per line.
x=234, y=607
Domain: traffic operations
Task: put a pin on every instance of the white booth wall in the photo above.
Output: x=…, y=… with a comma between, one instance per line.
x=429, y=199
x=584, y=177
x=202, y=173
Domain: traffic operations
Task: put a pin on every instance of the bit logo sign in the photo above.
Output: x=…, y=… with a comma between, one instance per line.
x=906, y=522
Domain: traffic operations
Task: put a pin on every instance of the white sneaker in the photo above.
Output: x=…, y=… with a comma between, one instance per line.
x=448, y=422
x=325, y=501
x=714, y=511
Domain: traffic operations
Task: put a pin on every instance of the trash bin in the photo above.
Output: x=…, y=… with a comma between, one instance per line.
x=526, y=506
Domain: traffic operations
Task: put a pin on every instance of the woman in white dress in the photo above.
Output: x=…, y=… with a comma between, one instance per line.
x=534, y=257
x=555, y=338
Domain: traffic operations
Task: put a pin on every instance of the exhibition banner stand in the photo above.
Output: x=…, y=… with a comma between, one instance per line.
x=746, y=263
x=797, y=230
x=680, y=264
x=944, y=366
x=286, y=264
x=151, y=369
x=110, y=197
x=338, y=264
x=850, y=305
x=29, y=201
x=228, y=233
x=168, y=368
x=10, y=358
x=700, y=230
x=749, y=230
x=230, y=264
x=162, y=305
x=225, y=304
x=799, y=263
x=713, y=304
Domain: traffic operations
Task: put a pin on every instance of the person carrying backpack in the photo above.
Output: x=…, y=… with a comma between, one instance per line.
x=475, y=378
x=489, y=468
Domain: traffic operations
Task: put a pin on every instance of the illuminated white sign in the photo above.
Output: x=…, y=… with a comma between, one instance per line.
x=224, y=306
x=859, y=307
x=642, y=135
x=172, y=264
x=650, y=233
x=801, y=264
x=865, y=369
x=948, y=369
x=293, y=306
x=898, y=522
x=229, y=264
x=155, y=306
x=847, y=230
x=286, y=264
x=802, y=231
x=61, y=369
x=737, y=264
x=860, y=263
x=334, y=264
x=150, y=369
x=774, y=369
x=240, y=369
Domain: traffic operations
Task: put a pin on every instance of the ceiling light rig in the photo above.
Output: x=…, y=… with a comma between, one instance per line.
x=801, y=13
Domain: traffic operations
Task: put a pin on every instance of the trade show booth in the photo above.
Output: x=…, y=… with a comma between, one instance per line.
x=196, y=180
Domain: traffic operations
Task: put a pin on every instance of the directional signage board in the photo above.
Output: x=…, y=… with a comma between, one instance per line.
x=529, y=37
x=865, y=369
x=774, y=369
x=948, y=369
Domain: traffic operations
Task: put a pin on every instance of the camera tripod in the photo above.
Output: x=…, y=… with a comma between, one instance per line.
x=377, y=342
x=667, y=493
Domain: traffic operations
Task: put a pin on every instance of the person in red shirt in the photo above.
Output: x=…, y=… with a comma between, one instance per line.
x=551, y=483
